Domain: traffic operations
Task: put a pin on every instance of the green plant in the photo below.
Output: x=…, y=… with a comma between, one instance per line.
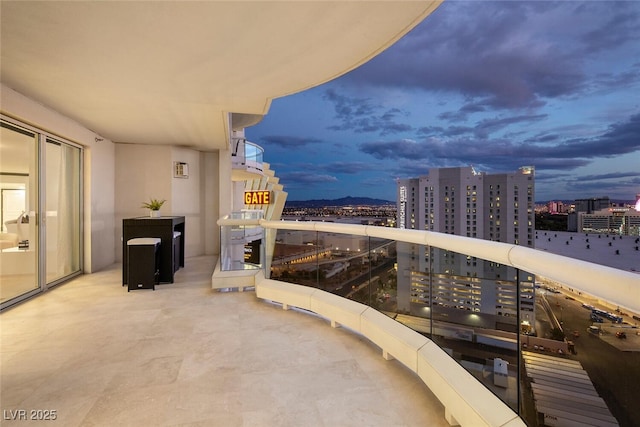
x=153, y=204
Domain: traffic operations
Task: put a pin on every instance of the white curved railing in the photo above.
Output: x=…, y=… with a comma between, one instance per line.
x=466, y=400
x=608, y=284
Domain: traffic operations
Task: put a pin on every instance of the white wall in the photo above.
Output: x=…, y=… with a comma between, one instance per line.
x=99, y=191
x=187, y=200
x=142, y=172
x=210, y=202
x=146, y=171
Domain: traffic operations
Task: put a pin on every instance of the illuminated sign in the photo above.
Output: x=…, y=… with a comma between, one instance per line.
x=257, y=197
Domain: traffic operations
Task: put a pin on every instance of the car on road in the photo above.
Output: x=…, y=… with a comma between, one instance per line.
x=621, y=334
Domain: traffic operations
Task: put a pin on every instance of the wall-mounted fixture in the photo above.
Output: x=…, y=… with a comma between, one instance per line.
x=180, y=170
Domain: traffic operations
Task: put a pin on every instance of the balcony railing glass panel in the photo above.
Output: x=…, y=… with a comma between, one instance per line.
x=425, y=288
x=295, y=257
x=247, y=154
x=343, y=265
x=472, y=307
x=253, y=152
x=492, y=318
x=242, y=244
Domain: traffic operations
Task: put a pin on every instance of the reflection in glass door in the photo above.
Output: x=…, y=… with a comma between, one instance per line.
x=41, y=188
x=19, y=178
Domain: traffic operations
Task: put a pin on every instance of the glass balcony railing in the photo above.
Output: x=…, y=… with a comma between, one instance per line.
x=241, y=241
x=247, y=216
x=433, y=291
x=515, y=331
x=253, y=152
x=247, y=155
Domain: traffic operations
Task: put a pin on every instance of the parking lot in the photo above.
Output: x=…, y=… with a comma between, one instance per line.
x=630, y=343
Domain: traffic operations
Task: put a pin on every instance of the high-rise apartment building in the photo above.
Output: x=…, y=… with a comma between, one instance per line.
x=462, y=201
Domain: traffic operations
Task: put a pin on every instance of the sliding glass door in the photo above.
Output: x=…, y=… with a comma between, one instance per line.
x=41, y=187
x=19, y=183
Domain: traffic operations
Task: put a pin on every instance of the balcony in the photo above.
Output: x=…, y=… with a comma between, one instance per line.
x=182, y=354
x=352, y=275
x=247, y=160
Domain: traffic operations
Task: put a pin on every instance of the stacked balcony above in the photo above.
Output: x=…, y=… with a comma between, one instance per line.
x=247, y=160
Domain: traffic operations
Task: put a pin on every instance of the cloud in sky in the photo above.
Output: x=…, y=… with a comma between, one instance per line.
x=622, y=138
x=289, y=141
x=595, y=185
x=495, y=84
x=482, y=129
x=308, y=178
x=506, y=55
x=362, y=116
x=346, y=167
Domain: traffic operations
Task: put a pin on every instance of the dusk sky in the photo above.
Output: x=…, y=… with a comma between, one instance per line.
x=496, y=85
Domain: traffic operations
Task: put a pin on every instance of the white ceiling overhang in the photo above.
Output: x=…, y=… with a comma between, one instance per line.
x=169, y=72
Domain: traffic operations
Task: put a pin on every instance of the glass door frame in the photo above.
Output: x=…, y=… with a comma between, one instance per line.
x=32, y=281
x=40, y=212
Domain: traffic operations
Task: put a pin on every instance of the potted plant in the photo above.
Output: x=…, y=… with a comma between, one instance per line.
x=154, y=206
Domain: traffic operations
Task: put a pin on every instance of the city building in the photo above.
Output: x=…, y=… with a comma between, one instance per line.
x=587, y=206
x=621, y=221
x=463, y=201
x=592, y=204
x=556, y=207
x=610, y=249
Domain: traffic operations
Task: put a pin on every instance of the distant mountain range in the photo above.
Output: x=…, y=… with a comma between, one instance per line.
x=345, y=201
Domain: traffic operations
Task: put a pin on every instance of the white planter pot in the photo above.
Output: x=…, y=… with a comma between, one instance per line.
x=154, y=214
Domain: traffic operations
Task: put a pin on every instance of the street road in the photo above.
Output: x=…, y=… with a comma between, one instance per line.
x=614, y=373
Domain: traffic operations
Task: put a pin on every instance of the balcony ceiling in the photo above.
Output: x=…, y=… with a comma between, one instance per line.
x=169, y=72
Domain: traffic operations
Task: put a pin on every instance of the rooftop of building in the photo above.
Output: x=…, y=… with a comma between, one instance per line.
x=605, y=249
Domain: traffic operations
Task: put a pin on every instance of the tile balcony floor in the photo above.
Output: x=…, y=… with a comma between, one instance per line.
x=184, y=355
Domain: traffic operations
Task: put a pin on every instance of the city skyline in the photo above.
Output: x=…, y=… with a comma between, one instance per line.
x=493, y=85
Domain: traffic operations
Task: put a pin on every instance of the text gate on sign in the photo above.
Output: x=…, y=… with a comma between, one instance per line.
x=257, y=197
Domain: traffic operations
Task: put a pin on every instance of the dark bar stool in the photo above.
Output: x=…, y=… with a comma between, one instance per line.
x=143, y=264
